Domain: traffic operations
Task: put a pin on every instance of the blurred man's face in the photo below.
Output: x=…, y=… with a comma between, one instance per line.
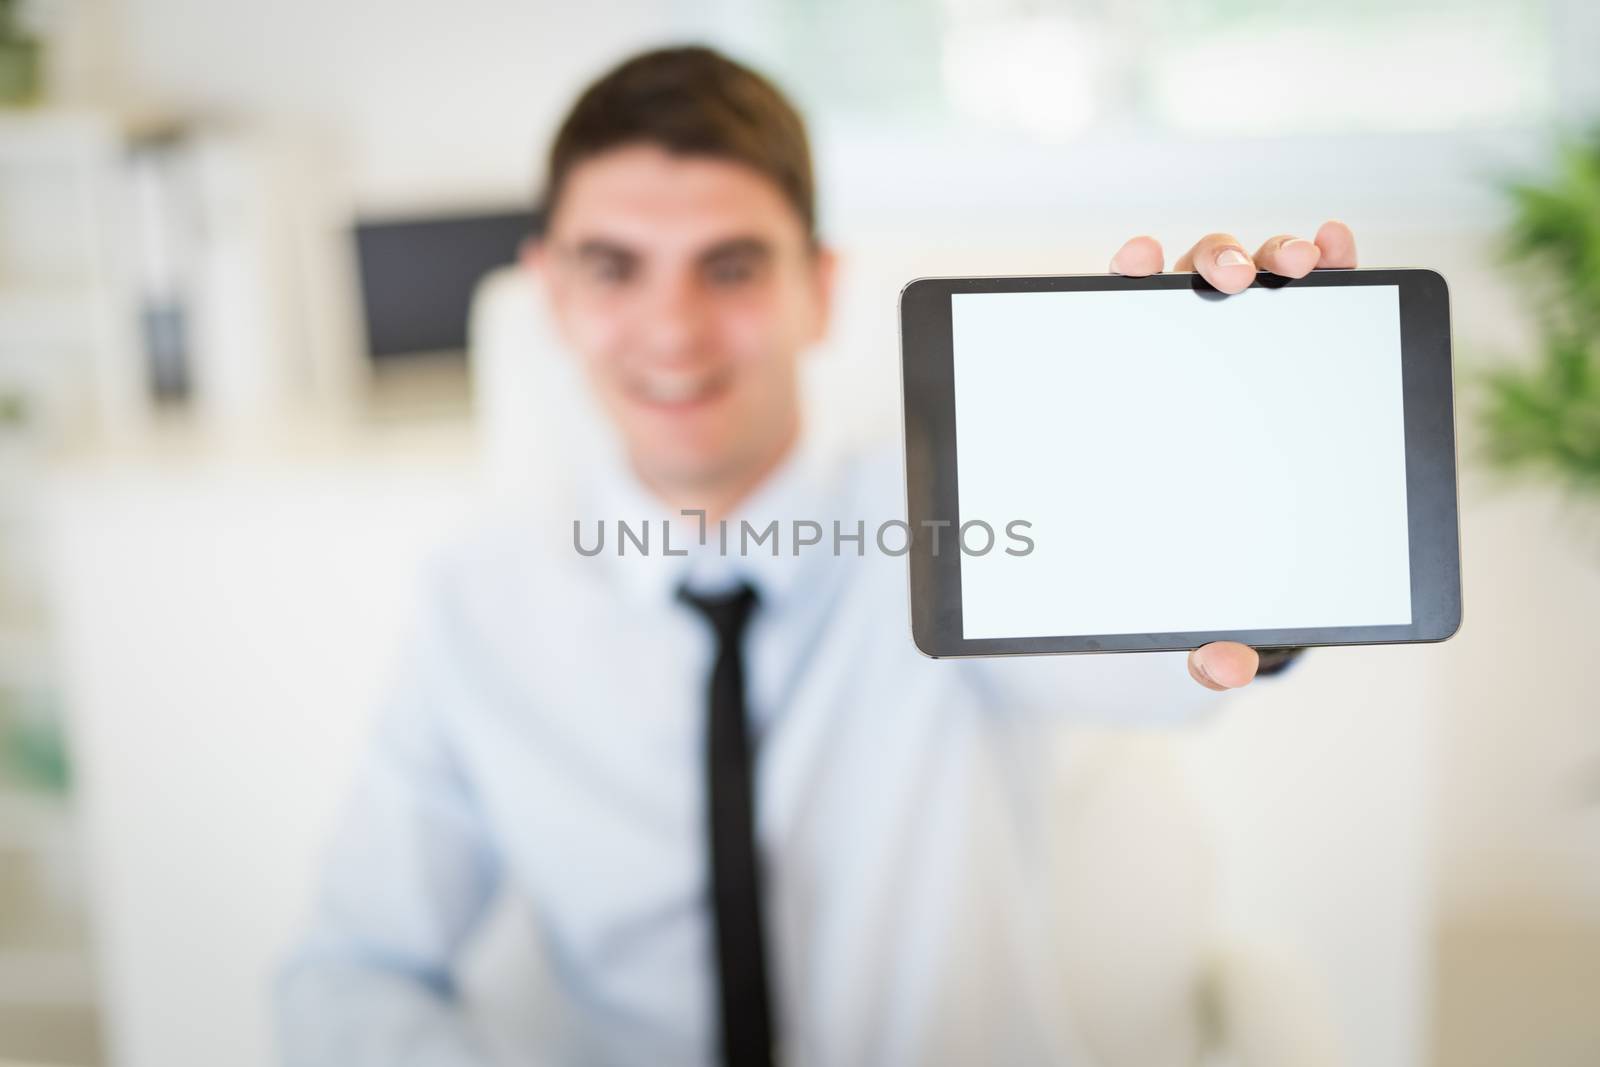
x=689, y=288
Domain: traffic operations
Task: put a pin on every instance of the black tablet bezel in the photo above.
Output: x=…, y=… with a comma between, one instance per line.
x=928, y=383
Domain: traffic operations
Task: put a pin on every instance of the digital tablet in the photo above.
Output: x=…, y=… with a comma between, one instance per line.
x=1097, y=463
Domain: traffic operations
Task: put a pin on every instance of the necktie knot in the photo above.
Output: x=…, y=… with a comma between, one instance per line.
x=727, y=611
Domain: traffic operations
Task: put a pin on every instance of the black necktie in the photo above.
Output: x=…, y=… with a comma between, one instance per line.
x=735, y=874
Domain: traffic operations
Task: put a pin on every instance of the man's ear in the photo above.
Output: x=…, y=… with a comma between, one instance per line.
x=531, y=257
x=535, y=259
x=825, y=270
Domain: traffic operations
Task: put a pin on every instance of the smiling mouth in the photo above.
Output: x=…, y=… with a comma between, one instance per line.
x=677, y=390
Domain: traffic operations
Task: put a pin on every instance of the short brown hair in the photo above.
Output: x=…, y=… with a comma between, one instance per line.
x=690, y=101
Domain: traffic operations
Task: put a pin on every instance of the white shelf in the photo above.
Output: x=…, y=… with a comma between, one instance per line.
x=58, y=296
x=57, y=316
x=49, y=135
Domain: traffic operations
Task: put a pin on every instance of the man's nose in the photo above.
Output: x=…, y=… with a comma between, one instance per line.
x=675, y=318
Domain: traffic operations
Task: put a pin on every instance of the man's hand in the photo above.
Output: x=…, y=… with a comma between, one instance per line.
x=1223, y=262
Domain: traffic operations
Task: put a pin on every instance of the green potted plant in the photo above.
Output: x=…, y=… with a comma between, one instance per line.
x=20, y=58
x=1544, y=417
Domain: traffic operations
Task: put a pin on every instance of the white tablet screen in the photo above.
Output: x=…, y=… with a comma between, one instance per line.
x=1186, y=464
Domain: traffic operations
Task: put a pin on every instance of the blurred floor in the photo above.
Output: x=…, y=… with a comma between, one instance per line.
x=1519, y=987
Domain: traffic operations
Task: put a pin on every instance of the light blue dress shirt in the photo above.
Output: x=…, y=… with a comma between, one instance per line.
x=545, y=741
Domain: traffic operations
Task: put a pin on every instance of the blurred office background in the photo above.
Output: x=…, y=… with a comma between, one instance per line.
x=258, y=354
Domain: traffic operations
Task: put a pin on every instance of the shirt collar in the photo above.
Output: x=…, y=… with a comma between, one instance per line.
x=798, y=489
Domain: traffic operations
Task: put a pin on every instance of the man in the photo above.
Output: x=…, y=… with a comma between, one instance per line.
x=751, y=822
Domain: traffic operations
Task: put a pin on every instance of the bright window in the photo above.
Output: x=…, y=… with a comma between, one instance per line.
x=1052, y=70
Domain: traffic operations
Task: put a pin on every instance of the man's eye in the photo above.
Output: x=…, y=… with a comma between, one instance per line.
x=609, y=271
x=730, y=273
